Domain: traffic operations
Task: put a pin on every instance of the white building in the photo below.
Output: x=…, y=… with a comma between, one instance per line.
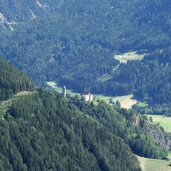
x=88, y=97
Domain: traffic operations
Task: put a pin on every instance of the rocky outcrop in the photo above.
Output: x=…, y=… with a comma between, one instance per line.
x=158, y=134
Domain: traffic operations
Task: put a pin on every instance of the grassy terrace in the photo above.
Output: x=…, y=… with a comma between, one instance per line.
x=163, y=121
x=129, y=56
x=142, y=104
x=154, y=165
x=126, y=101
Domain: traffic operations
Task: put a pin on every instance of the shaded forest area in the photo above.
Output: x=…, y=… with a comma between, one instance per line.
x=12, y=81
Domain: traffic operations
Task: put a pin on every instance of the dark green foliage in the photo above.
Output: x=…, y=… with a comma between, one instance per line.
x=77, y=41
x=12, y=81
x=160, y=109
x=46, y=132
x=151, y=79
x=42, y=131
x=128, y=125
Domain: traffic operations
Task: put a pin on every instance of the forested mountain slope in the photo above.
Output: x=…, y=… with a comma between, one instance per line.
x=77, y=41
x=18, y=11
x=12, y=81
x=144, y=138
x=43, y=131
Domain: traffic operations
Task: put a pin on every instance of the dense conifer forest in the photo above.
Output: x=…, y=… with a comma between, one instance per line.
x=143, y=138
x=45, y=131
x=75, y=43
x=78, y=40
x=12, y=81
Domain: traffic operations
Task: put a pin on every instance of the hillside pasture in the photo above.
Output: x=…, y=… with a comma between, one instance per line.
x=126, y=101
x=163, y=121
x=154, y=165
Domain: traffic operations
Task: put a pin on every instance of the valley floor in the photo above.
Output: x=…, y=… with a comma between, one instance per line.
x=154, y=165
x=126, y=101
x=163, y=121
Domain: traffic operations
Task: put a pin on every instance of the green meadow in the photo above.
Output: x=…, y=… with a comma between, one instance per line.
x=154, y=165
x=59, y=89
x=129, y=56
x=163, y=121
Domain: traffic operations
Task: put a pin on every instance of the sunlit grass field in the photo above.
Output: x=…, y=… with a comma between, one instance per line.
x=163, y=121
x=154, y=165
x=59, y=89
x=129, y=56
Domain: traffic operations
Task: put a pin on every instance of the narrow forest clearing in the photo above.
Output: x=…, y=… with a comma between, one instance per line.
x=154, y=165
x=129, y=56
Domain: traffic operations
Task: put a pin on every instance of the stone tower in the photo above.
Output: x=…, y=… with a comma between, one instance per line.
x=64, y=91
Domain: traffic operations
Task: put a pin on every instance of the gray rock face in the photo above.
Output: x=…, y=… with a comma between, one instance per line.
x=18, y=11
x=157, y=133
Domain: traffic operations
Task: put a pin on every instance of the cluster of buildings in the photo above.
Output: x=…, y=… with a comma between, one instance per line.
x=88, y=97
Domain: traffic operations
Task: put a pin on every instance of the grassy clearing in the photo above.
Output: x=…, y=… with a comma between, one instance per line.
x=126, y=101
x=59, y=89
x=104, y=78
x=125, y=57
x=103, y=97
x=142, y=104
x=24, y=93
x=154, y=165
x=163, y=121
x=54, y=86
x=169, y=154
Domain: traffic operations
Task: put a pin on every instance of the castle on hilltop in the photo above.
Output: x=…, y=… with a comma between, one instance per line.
x=88, y=97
